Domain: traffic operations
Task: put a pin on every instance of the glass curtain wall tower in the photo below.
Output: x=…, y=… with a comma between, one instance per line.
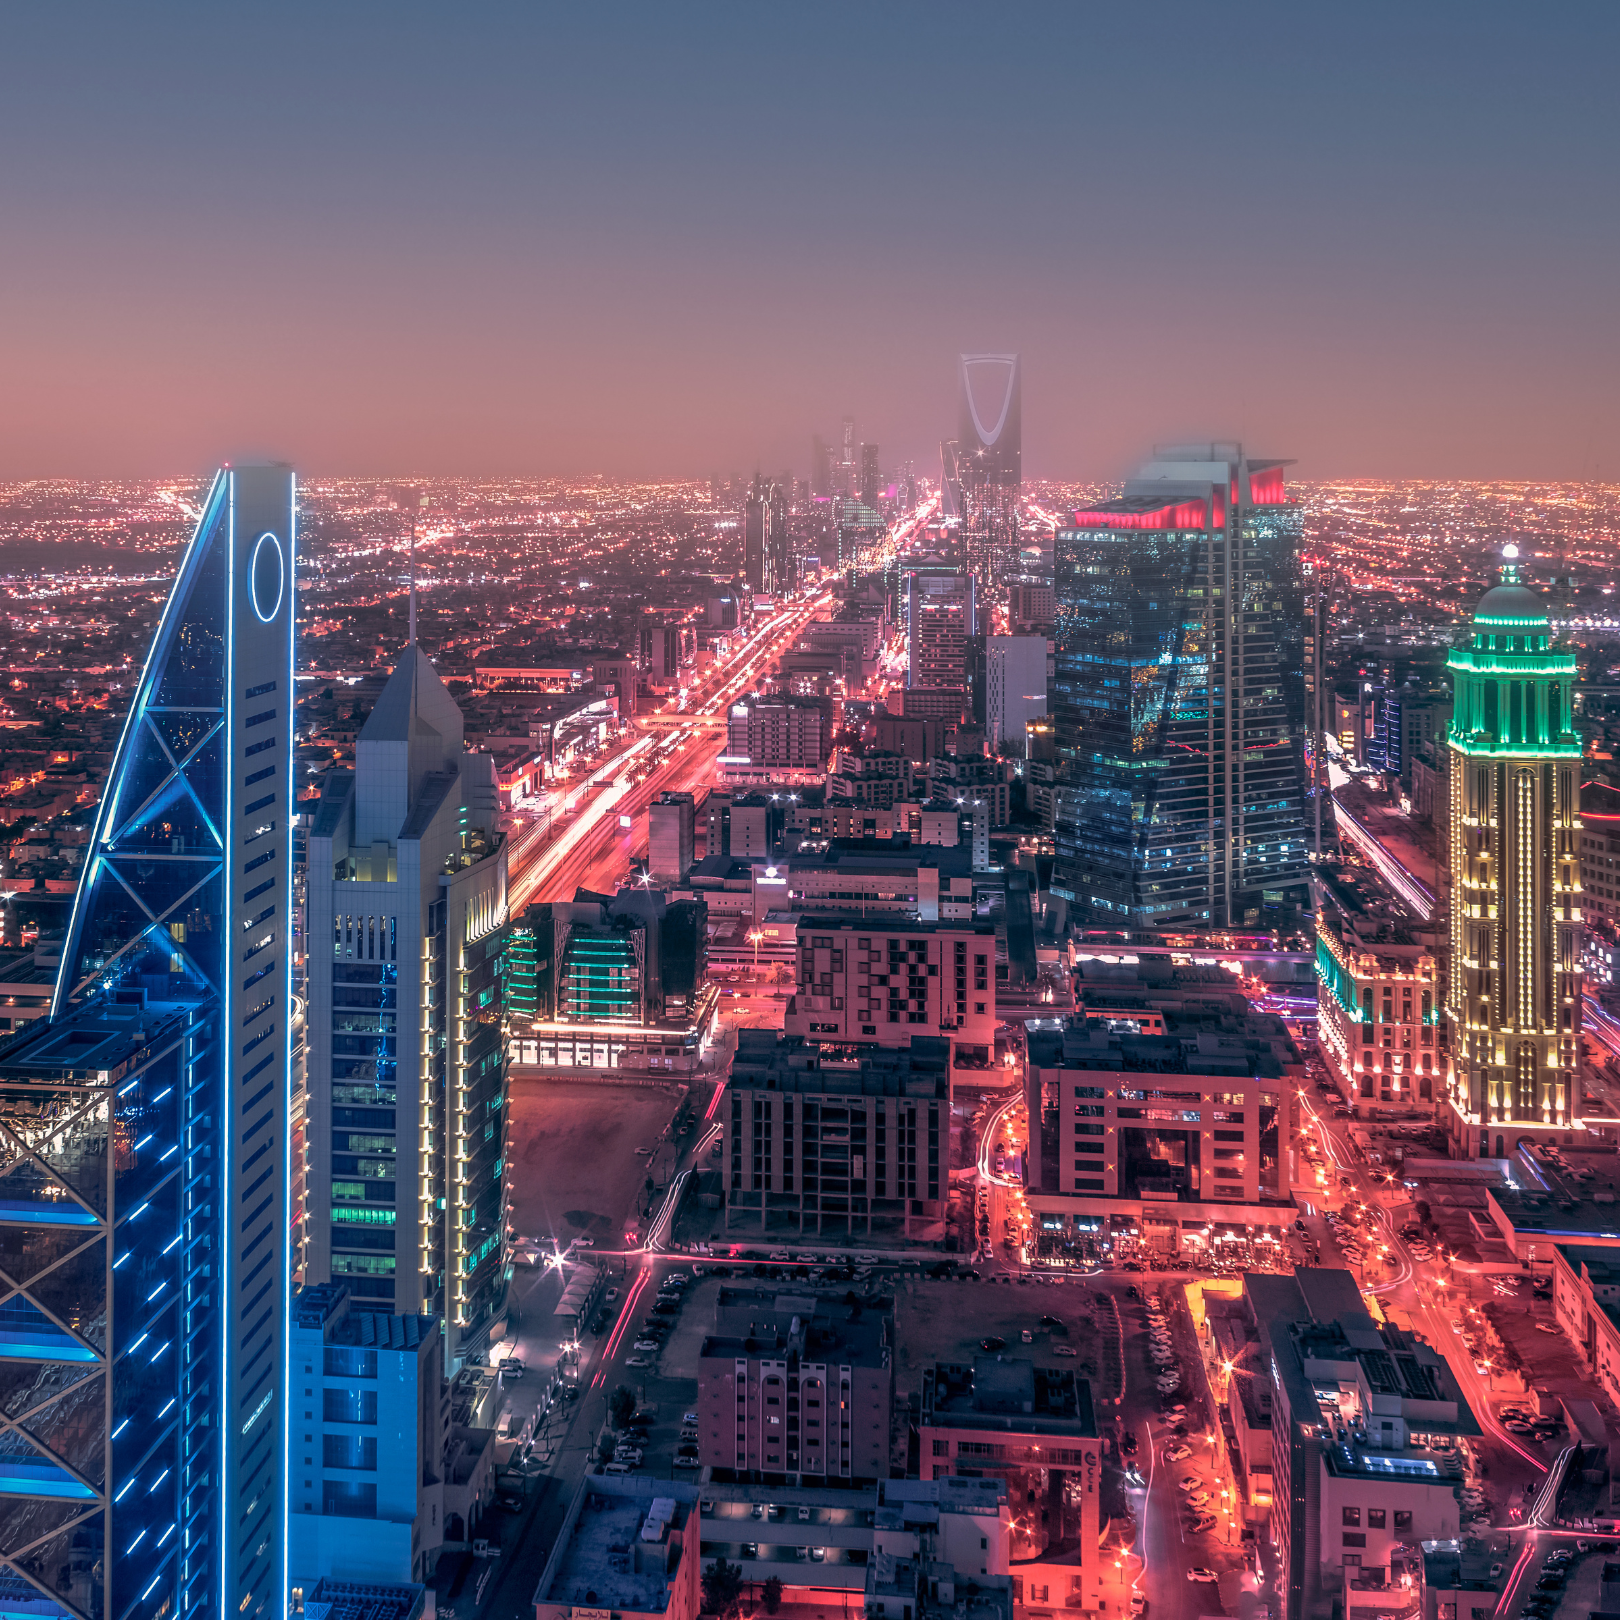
x=406, y=1069
x=1514, y=989
x=1178, y=699
x=143, y=1131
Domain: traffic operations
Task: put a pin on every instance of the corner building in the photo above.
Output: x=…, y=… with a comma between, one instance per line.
x=1514, y=991
x=143, y=1218
x=406, y=1071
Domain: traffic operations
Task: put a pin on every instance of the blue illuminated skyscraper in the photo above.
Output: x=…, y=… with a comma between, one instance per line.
x=143, y=1131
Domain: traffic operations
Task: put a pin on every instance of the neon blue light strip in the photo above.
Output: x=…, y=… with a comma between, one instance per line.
x=289, y=595
x=109, y=804
x=227, y=1110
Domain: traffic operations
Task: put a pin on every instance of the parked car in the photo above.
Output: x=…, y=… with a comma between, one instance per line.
x=1199, y=1573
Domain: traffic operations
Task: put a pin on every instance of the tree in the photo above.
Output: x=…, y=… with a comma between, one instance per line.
x=770, y=1595
x=621, y=1406
x=722, y=1588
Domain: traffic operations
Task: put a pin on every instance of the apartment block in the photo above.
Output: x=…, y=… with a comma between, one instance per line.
x=868, y=985
x=820, y=1139
x=790, y=1389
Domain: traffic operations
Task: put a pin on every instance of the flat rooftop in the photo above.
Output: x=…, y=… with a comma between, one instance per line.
x=1010, y=1394
x=617, y=1552
x=90, y=1042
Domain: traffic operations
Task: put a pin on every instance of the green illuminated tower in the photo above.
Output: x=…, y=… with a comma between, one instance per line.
x=1514, y=990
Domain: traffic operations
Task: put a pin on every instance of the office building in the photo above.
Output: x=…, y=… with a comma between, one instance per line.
x=871, y=482
x=821, y=1141
x=1015, y=689
x=671, y=838
x=1177, y=700
x=966, y=778
x=370, y=1424
x=767, y=555
x=820, y=468
x=1600, y=872
x=610, y=983
x=861, y=983
x=1031, y=609
x=794, y=732
x=1033, y=1428
x=1365, y=1421
x=858, y=527
x=145, y=1229
x=1166, y=1109
x=1378, y=1004
x=660, y=651
x=791, y=1389
x=990, y=463
x=950, y=482
x=1514, y=996
x=942, y=616
x=407, y=1069
x=882, y=878
x=846, y=457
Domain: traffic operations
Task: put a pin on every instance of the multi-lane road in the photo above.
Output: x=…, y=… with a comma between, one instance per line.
x=607, y=825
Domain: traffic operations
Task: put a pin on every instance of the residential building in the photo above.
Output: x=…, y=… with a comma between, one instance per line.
x=149, y=1205
x=794, y=1390
x=861, y=983
x=966, y=776
x=407, y=1067
x=628, y=1547
x=1166, y=1111
x=1365, y=1423
x=1586, y=1305
x=1178, y=699
x=671, y=837
x=1377, y=1006
x=795, y=732
x=942, y=617
x=1033, y=1428
x=1600, y=855
x=1015, y=688
x=1514, y=995
x=869, y=776
x=1031, y=609
x=835, y=1137
x=370, y=1420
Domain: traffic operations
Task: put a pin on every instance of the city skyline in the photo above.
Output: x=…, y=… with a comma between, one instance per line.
x=514, y=245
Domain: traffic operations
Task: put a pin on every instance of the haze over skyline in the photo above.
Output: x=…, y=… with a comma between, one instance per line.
x=653, y=242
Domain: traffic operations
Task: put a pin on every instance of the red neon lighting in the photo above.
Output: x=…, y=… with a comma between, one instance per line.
x=1172, y=515
x=1266, y=488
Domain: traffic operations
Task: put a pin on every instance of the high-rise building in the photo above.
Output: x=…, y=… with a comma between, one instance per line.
x=146, y=1252
x=941, y=618
x=820, y=468
x=1514, y=993
x=671, y=824
x=950, y=482
x=1178, y=699
x=1015, y=688
x=871, y=485
x=846, y=457
x=767, y=556
x=990, y=463
x=406, y=1085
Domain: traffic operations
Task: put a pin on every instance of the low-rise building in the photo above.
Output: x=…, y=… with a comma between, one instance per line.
x=1586, y=1305
x=795, y=732
x=795, y=1389
x=628, y=1548
x=1034, y=1429
x=1365, y=1423
x=838, y=1136
x=1179, y=1138
x=892, y=878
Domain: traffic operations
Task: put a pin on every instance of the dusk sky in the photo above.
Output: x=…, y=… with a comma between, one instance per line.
x=675, y=240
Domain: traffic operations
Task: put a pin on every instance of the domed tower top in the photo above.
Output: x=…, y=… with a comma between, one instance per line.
x=1512, y=685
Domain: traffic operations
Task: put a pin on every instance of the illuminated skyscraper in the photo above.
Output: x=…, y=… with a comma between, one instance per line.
x=767, y=554
x=406, y=1081
x=1178, y=699
x=950, y=482
x=871, y=478
x=1514, y=994
x=143, y=1217
x=990, y=463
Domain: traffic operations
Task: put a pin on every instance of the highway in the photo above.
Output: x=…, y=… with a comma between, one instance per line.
x=595, y=848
